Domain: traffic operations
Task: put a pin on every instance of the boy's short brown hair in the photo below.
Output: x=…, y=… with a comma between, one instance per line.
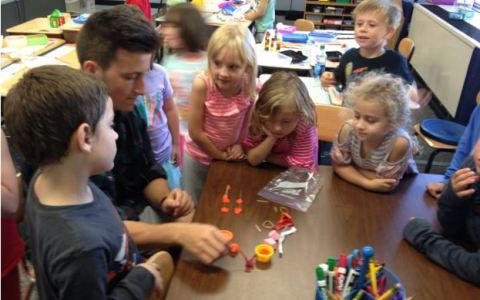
x=46, y=106
x=387, y=8
x=119, y=27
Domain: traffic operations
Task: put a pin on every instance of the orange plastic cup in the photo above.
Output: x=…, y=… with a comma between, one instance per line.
x=264, y=253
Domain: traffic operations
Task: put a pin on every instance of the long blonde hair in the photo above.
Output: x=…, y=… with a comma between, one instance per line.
x=239, y=41
x=282, y=90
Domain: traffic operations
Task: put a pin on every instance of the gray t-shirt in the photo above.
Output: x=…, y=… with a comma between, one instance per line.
x=83, y=251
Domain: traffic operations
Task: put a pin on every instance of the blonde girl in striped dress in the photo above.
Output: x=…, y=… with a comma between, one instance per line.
x=374, y=150
x=220, y=105
x=283, y=128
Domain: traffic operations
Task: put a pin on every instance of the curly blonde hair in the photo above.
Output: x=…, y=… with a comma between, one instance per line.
x=282, y=90
x=386, y=90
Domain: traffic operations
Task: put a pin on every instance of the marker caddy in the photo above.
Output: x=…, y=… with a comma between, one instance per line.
x=339, y=279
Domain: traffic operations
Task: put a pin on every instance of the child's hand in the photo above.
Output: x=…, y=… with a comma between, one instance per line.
x=235, y=152
x=461, y=181
x=435, y=189
x=154, y=269
x=175, y=155
x=268, y=133
x=328, y=79
x=382, y=184
x=177, y=204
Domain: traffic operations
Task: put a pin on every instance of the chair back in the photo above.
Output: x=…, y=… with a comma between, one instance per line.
x=330, y=119
x=406, y=48
x=304, y=25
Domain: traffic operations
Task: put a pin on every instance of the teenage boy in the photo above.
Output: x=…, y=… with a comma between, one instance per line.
x=375, y=23
x=61, y=119
x=459, y=215
x=116, y=45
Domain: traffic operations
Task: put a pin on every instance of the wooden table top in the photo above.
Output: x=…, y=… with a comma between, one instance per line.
x=34, y=26
x=342, y=218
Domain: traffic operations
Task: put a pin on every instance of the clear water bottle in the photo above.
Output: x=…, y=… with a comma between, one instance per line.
x=320, y=61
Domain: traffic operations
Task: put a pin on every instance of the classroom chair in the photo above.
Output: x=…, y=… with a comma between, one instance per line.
x=438, y=128
x=304, y=25
x=165, y=262
x=406, y=48
x=330, y=119
x=441, y=135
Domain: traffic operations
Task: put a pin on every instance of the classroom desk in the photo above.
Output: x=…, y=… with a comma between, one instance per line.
x=53, y=43
x=318, y=94
x=65, y=54
x=276, y=60
x=342, y=218
x=39, y=25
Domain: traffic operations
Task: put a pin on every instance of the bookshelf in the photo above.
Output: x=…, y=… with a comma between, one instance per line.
x=331, y=14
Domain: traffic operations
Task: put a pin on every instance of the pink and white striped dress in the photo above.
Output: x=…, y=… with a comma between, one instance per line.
x=225, y=120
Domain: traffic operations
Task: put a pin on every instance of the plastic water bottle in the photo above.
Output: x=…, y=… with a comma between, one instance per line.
x=320, y=61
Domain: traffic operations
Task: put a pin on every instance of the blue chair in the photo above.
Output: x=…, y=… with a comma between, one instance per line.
x=441, y=135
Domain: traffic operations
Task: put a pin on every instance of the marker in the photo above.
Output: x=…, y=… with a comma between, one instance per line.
x=389, y=292
x=373, y=278
x=367, y=253
x=331, y=262
x=321, y=281
x=340, y=275
x=355, y=257
x=359, y=295
x=350, y=282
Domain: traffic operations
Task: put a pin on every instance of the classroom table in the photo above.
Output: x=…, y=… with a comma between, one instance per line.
x=318, y=94
x=342, y=218
x=64, y=55
x=276, y=60
x=38, y=25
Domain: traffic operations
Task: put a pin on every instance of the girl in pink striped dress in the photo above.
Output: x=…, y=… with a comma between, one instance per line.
x=220, y=104
x=283, y=129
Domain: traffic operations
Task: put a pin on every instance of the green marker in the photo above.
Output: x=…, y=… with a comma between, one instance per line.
x=321, y=281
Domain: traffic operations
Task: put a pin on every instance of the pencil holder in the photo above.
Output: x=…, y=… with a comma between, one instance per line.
x=390, y=281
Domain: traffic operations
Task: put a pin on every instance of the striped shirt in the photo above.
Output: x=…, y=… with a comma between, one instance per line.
x=225, y=120
x=377, y=160
x=299, y=149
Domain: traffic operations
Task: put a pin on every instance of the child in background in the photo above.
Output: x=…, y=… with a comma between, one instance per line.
x=463, y=151
x=459, y=215
x=375, y=23
x=283, y=127
x=374, y=150
x=60, y=119
x=184, y=36
x=220, y=106
x=263, y=13
x=144, y=6
x=161, y=117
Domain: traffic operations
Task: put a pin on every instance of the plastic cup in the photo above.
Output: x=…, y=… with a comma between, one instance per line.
x=264, y=253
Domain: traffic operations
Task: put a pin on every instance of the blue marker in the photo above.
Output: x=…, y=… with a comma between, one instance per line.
x=367, y=253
